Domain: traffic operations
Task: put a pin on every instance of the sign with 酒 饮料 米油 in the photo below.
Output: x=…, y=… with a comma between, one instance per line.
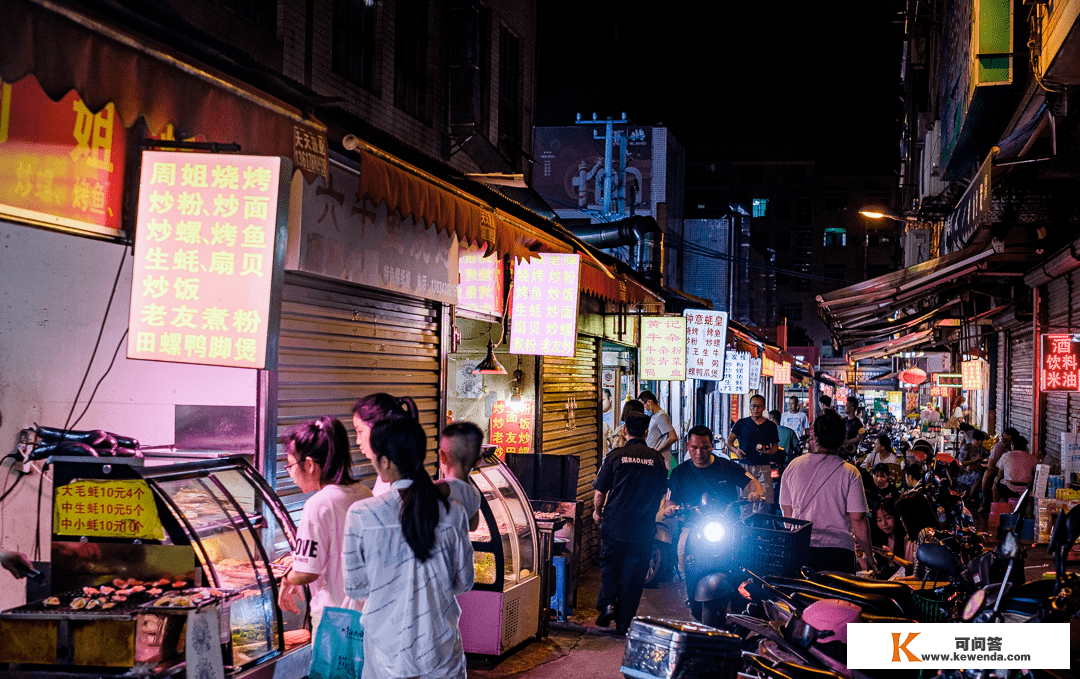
x=1059, y=362
x=663, y=348
x=706, y=342
x=205, y=252
x=107, y=509
x=545, y=304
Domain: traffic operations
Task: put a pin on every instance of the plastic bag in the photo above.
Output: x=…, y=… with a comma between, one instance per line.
x=338, y=652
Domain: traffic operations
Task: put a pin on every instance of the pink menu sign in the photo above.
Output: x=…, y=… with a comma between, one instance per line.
x=545, y=304
x=663, y=348
x=480, y=286
x=204, y=258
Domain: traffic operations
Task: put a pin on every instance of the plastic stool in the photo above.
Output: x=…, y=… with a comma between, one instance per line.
x=560, y=600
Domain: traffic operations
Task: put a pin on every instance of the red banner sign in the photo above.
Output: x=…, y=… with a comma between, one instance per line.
x=512, y=426
x=60, y=165
x=1059, y=362
x=204, y=258
x=481, y=282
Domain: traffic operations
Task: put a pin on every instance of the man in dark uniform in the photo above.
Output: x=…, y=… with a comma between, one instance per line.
x=627, y=495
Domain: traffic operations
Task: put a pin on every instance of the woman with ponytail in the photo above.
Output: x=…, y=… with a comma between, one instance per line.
x=317, y=458
x=408, y=554
x=372, y=408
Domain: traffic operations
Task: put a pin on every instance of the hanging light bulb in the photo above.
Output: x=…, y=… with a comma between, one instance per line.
x=490, y=365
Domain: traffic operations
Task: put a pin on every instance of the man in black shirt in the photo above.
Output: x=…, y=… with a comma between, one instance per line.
x=759, y=441
x=853, y=426
x=705, y=473
x=627, y=494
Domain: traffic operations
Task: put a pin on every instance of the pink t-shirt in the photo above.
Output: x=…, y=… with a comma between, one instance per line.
x=1018, y=468
x=824, y=489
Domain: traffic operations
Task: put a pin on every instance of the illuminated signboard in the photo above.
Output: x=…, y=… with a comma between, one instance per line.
x=768, y=367
x=1059, y=362
x=949, y=379
x=755, y=374
x=972, y=374
x=782, y=373
x=545, y=304
x=60, y=165
x=736, y=373
x=663, y=348
x=481, y=282
x=205, y=253
x=706, y=342
x=512, y=426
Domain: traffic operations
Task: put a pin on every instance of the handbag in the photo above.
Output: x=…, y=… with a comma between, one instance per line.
x=338, y=651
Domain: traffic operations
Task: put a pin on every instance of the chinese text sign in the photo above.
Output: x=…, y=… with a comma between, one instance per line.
x=663, y=348
x=60, y=164
x=204, y=258
x=107, y=509
x=512, y=427
x=706, y=341
x=481, y=282
x=1060, y=362
x=782, y=373
x=755, y=374
x=972, y=374
x=545, y=306
x=736, y=373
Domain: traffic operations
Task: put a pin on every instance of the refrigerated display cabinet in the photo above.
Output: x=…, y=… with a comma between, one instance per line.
x=503, y=607
x=223, y=527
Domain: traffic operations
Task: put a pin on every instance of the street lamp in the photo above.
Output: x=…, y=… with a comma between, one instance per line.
x=882, y=212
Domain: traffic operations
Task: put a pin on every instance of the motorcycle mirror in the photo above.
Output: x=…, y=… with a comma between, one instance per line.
x=974, y=605
x=1010, y=546
x=937, y=557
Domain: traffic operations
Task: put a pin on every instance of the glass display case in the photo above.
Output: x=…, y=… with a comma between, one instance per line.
x=212, y=523
x=503, y=608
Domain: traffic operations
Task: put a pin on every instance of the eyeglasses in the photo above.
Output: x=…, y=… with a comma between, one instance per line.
x=289, y=467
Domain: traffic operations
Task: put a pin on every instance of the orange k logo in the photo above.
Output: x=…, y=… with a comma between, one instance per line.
x=897, y=647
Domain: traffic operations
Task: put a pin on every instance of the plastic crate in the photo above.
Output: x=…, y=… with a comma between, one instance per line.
x=774, y=545
x=929, y=606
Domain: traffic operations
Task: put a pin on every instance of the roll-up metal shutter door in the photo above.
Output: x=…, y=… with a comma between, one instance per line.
x=1073, y=325
x=1056, y=414
x=339, y=342
x=575, y=381
x=1001, y=382
x=1021, y=359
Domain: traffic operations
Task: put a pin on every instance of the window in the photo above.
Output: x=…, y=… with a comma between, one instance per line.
x=835, y=237
x=791, y=311
x=804, y=210
x=353, y=50
x=879, y=239
x=803, y=241
x=509, y=94
x=262, y=13
x=410, y=57
x=836, y=200
x=801, y=277
x=760, y=206
x=750, y=174
x=835, y=272
x=793, y=174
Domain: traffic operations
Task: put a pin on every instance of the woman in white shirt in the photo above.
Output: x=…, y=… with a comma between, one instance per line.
x=370, y=409
x=408, y=553
x=883, y=452
x=318, y=461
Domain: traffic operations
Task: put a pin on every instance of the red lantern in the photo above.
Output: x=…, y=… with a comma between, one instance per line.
x=913, y=376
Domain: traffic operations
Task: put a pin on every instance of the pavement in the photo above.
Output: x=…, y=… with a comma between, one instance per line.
x=578, y=648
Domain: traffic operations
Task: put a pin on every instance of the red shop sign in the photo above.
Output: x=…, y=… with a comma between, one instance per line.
x=1059, y=362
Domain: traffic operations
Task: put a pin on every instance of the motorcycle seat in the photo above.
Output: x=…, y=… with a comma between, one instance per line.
x=870, y=617
x=1026, y=599
x=898, y=592
x=809, y=592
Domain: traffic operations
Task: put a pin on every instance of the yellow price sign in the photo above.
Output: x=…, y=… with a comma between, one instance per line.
x=107, y=509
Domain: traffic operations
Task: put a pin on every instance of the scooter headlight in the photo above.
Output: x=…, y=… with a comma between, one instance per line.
x=714, y=531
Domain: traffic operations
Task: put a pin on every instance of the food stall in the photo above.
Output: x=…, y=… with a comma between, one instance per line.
x=503, y=608
x=157, y=563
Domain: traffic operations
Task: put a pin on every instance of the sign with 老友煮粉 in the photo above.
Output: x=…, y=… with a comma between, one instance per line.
x=206, y=258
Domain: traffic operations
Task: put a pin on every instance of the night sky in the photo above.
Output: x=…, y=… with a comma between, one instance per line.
x=756, y=81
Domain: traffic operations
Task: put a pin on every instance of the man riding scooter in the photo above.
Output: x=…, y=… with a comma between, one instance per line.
x=718, y=480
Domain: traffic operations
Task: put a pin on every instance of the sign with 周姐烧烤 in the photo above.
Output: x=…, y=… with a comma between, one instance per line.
x=206, y=254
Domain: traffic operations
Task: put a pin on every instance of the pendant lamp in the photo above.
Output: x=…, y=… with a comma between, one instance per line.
x=490, y=365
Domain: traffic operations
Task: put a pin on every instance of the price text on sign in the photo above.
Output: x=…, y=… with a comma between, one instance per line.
x=544, y=320
x=204, y=258
x=107, y=509
x=663, y=348
x=512, y=428
x=706, y=342
x=1059, y=362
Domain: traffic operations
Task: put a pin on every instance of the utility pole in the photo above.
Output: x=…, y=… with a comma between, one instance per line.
x=609, y=138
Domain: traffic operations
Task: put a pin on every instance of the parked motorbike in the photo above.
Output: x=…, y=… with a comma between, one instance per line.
x=709, y=558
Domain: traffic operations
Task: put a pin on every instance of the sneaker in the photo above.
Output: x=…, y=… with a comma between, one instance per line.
x=607, y=615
